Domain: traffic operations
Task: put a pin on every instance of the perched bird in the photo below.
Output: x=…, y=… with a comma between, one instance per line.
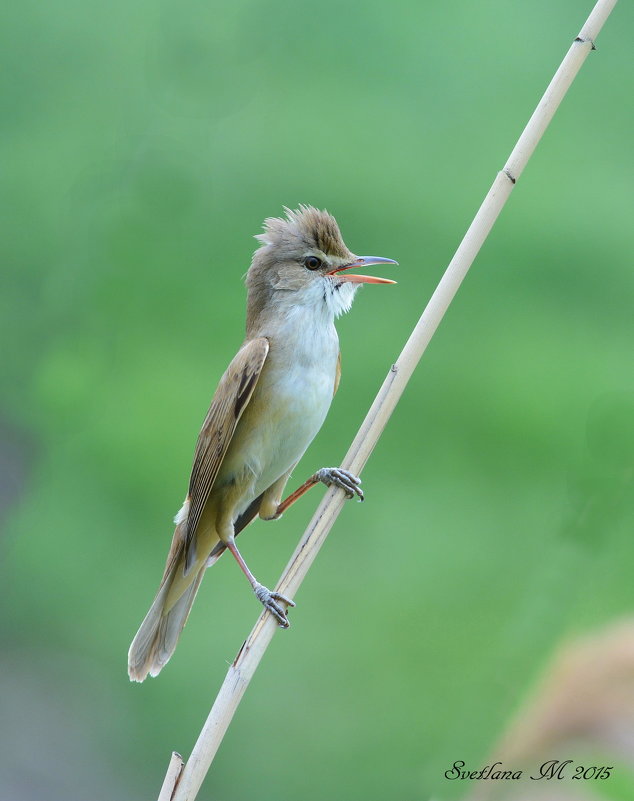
x=268, y=406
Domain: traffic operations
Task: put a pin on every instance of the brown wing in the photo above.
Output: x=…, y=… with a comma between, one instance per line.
x=337, y=375
x=234, y=392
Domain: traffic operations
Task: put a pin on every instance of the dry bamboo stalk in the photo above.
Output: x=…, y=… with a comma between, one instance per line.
x=249, y=656
x=171, y=777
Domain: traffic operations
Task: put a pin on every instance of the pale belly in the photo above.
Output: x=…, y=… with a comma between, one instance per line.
x=285, y=413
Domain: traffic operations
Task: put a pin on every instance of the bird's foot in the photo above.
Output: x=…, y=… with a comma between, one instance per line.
x=336, y=476
x=269, y=601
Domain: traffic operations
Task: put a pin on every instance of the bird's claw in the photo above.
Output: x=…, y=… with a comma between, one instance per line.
x=269, y=601
x=336, y=476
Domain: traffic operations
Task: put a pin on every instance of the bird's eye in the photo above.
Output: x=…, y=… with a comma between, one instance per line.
x=312, y=262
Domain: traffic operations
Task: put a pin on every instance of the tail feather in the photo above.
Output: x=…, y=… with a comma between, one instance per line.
x=158, y=635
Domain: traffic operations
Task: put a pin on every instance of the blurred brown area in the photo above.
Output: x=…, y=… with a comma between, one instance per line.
x=582, y=714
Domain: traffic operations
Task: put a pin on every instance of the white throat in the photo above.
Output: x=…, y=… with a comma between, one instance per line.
x=324, y=299
x=303, y=324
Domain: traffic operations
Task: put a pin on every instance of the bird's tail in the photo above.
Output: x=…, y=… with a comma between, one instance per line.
x=158, y=635
x=156, y=639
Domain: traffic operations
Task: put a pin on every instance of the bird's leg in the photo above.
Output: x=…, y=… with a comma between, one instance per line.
x=268, y=599
x=329, y=476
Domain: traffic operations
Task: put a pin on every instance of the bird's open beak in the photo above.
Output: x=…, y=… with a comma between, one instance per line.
x=363, y=261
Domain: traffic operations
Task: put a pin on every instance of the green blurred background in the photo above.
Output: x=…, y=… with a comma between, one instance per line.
x=143, y=144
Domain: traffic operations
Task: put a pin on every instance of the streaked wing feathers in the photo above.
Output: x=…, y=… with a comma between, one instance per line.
x=233, y=394
x=337, y=375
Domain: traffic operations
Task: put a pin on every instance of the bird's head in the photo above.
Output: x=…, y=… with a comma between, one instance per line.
x=303, y=260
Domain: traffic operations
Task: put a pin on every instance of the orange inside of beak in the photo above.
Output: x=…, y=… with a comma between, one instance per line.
x=363, y=261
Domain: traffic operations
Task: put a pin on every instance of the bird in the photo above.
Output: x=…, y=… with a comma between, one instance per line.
x=269, y=405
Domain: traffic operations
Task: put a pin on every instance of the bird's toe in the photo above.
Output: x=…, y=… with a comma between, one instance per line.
x=344, y=479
